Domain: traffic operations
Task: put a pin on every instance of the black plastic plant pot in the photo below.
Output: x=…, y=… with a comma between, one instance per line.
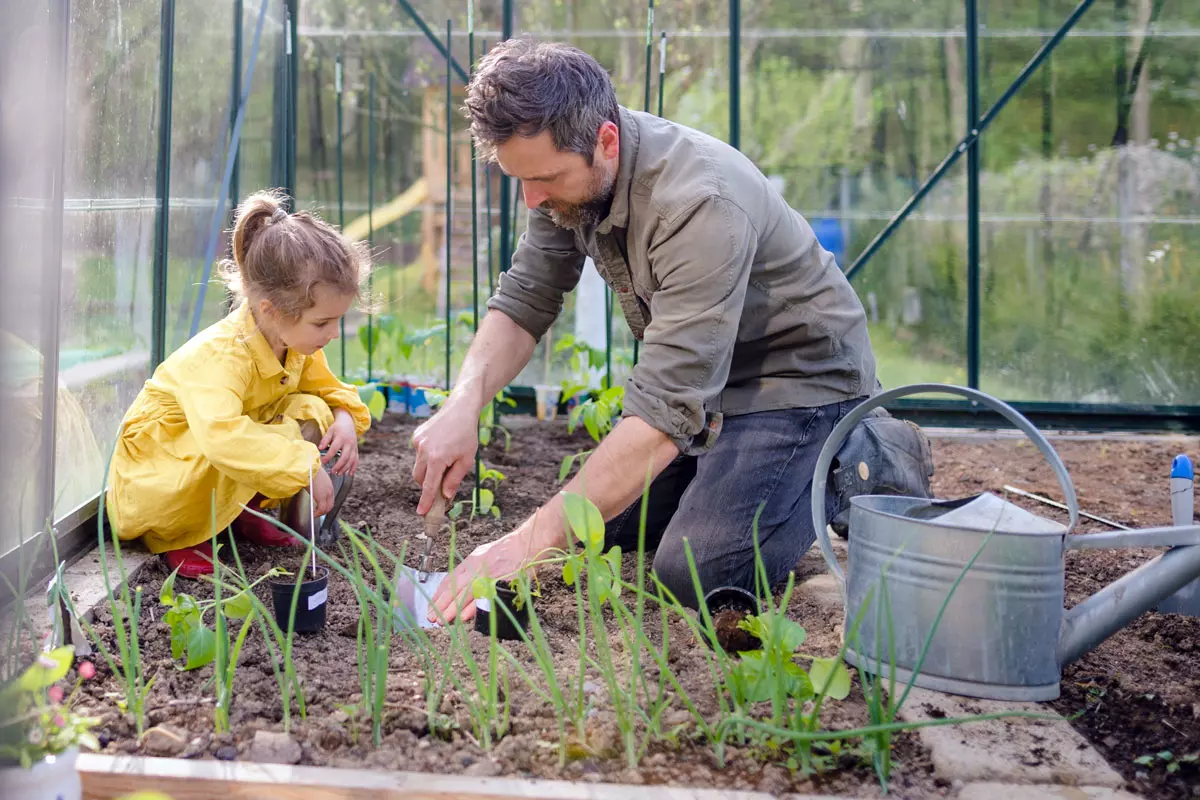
x=505, y=629
x=728, y=605
x=310, y=606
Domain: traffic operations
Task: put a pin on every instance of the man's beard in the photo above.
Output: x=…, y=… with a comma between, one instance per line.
x=590, y=212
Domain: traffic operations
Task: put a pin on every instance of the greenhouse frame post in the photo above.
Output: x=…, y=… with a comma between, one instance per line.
x=341, y=190
x=370, y=217
x=235, y=101
x=964, y=144
x=507, y=220
x=448, y=227
x=162, y=188
x=292, y=98
x=973, y=310
x=735, y=73
x=56, y=80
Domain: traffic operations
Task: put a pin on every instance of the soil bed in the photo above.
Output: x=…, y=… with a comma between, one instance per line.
x=1139, y=690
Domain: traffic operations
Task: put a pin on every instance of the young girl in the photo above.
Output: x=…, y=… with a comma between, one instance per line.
x=243, y=410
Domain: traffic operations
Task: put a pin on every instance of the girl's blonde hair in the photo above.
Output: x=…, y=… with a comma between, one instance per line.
x=281, y=257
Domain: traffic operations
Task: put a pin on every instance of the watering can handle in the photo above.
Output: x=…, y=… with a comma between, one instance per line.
x=843, y=428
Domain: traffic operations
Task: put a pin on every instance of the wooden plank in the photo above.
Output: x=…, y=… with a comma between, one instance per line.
x=106, y=777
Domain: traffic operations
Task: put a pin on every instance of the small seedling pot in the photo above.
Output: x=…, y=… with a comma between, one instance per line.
x=742, y=603
x=505, y=629
x=310, y=606
x=547, y=401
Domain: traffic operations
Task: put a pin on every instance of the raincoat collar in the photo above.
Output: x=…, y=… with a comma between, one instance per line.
x=254, y=339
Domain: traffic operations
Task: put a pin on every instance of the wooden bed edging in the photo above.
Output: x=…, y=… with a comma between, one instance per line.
x=107, y=777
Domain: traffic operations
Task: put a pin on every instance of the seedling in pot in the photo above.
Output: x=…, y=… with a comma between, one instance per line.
x=505, y=604
x=729, y=607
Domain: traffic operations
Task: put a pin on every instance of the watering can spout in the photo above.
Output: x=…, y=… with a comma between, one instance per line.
x=1112, y=608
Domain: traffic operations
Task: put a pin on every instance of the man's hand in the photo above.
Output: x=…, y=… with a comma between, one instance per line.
x=322, y=493
x=498, y=560
x=446, y=446
x=614, y=477
x=341, y=437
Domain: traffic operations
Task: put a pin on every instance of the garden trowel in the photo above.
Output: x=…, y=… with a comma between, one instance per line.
x=415, y=588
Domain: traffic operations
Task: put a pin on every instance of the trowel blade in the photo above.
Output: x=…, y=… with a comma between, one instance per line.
x=414, y=596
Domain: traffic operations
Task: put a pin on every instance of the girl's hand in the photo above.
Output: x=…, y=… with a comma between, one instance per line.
x=342, y=437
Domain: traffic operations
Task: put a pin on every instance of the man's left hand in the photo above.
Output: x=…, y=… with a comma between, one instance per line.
x=501, y=559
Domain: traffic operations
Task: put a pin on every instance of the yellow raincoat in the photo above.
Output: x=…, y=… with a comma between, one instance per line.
x=220, y=414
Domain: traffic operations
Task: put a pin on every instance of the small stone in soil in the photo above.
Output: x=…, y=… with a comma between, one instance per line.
x=196, y=747
x=165, y=741
x=226, y=752
x=483, y=769
x=270, y=747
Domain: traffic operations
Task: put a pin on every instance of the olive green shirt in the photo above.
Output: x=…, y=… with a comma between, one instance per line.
x=738, y=307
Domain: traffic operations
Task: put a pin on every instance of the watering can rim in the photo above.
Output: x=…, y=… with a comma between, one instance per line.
x=934, y=522
x=842, y=429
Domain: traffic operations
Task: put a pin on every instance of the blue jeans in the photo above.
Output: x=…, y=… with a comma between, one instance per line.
x=762, y=460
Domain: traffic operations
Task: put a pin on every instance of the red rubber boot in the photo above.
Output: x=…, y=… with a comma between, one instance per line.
x=192, y=562
x=257, y=530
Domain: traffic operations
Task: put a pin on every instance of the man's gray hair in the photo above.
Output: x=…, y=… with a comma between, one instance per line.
x=523, y=87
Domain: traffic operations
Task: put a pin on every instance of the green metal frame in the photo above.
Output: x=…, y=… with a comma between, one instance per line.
x=507, y=221
x=162, y=188
x=735, y=73
x=972, y=136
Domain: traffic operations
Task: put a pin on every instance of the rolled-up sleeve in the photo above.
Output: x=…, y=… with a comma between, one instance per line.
x=545, y=267
x=701, y=261
x=318, y=379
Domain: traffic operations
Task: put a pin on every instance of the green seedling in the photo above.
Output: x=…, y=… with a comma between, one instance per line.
x=126, y=610
x=597, y=415
x=765, y=674
x=483, y=501
x=34, y=721
x=190, y=636
x=1173, y=763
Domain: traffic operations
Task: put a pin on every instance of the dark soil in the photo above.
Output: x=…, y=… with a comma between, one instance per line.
x=1124, y=481
x=732, y=638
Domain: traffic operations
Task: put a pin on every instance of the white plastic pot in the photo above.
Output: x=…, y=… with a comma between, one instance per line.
x=54, y=778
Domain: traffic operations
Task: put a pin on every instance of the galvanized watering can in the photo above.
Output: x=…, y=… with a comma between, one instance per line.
x=1004, y=633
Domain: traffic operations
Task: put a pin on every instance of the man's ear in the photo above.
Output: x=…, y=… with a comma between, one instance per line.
x=608, y=143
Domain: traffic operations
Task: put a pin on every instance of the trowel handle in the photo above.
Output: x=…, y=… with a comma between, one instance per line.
x=843, y=428
x=435, y=516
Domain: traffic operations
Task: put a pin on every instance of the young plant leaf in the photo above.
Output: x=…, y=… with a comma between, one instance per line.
x=201, y=647
x=239, y=606
x=166, y=595
x=820, y=672
x=47, y=669
x=376, y=405
x=585, y=520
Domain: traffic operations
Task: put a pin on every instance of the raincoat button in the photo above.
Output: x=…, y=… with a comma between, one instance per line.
x=283, y=379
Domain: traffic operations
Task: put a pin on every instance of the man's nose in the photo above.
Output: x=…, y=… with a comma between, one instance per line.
x=533, y=198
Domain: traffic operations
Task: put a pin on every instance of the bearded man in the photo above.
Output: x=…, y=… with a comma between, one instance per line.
x=753, y=343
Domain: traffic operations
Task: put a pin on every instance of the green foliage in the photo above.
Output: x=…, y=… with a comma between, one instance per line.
x=1172, y=763
x=598, y=414
x=761, y=674
x=184, y=618
x=35, y=720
